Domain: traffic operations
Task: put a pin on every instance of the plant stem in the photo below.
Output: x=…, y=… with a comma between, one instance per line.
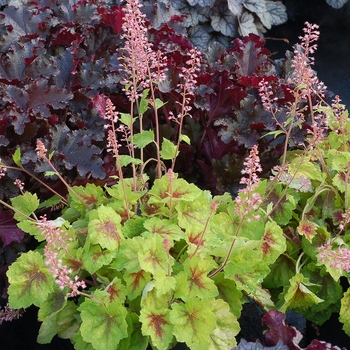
x=215, y=272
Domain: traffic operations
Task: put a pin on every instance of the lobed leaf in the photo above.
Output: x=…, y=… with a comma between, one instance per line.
x=105, y=228
x=344, y=314
x=193, y=322
x=227, y=327
x=193, y=281
x=30, y=281
x=26, y=203
x=156, y=324
x=298, y=295
x=107, y=320
x=153, y=257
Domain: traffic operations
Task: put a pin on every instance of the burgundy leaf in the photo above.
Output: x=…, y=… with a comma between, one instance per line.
x=65, y=37
x=249, y=54
x=322, y=345
x=42, y=96
x=278, y=330
x=113, y=17
x=9, y=232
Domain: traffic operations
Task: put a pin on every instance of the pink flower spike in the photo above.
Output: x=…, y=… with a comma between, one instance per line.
x=40, y=149
x=19, y=184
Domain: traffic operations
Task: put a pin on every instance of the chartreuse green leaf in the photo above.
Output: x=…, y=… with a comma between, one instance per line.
x=164, y=284
x=126, y=160
x=94, y=257
x=151, y=300
x=308, y=169
x=154, y=258
x=159, y=103
x=116, y=290
x=345, y=312
x=273, y=243
x=30, y=281
x=193, y=322
x=185, y=138
x=165, y=228
x=247, y=266
x=143, y=139
x=126, y=119
x=193, y=281
x=64, y=324
x=103, y=321
x=17, y=157
x=90, y=194
x=252, y=228
x=136, y=282
x=156, y=323
x=117, y=191
x=144, y=101
x=32, y=228
x=25, y=203
x=227, y=327
x=168, y=150
x=229, y=293
x=105, y=228
x=299, y=295
x=308, y=229
x=180, y=190
x=133, y=227
x=128, y=255
x=54, y=200
x=135, y=340
x=193, y=215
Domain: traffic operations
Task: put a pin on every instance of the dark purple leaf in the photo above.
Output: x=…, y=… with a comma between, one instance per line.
x=9, y=232
x=99, y=103
x=113, y=17
x=249, y=54
x=42, y=97
x=74, y=149
x=278, y=330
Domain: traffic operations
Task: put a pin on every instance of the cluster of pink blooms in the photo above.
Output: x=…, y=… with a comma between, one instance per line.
x=41, y=150
x=8, y=314
x=56, y=240
x=250, y=201
x=338, y=258
x=112, y=116
x=188, y=77
x=303, y=75
x=140, y=61
x=19, y=184
x=266, y=94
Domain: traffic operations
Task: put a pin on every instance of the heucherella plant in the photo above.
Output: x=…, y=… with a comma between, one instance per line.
x=158, y=260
